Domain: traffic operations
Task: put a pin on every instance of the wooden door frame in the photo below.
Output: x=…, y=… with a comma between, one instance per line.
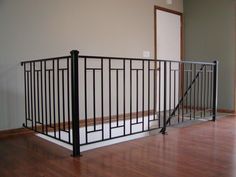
x=155, y=30
x=181, y=76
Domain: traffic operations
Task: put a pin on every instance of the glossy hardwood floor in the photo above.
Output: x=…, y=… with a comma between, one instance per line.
x=203, y=150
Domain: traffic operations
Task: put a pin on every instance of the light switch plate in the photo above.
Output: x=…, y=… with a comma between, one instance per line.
x=146, y=54
x=168, y=1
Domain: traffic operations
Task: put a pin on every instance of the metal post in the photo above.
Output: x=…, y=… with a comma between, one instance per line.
x=165, y=91
x=75, y=102
x=215, y=90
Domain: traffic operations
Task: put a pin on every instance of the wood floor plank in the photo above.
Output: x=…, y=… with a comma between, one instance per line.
x=202, y=150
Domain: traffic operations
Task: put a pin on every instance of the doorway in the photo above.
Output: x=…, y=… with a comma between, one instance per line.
x=168, y=46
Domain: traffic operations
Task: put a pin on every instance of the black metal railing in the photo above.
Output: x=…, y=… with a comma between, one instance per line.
x=48, y=97
x=82, y=100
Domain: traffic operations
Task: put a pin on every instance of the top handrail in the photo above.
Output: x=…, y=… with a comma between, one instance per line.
x=122, y=58
x=147, y=59
x=45, y=59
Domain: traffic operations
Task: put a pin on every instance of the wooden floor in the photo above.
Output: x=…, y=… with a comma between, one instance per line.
x=203, y=150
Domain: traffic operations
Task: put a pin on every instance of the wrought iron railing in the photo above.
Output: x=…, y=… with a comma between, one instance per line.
x=82, y=100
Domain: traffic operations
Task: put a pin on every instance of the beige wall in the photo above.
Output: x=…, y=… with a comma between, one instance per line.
x=43, y=28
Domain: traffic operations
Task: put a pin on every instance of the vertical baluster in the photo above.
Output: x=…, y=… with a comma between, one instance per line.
x=179, y=88
x=58, y=100
x=117, y=97
x=50, y=97
x=194, y=92
x=124, y=103
x=137, y=101
x=143, y=95
x=211, y=88
x=68, y=97
x=28, y=95
x=26, y=103
x=102, y=99
x=35, y=120
x=204, y=99
x=186, y=87
x=182, y=90
x=170, y=80
x=148, y=95
x=202, y=92
x=131, y=96
x=174, y=91
x=41, y=79
x=54, y=96
x=160, y=100
x=31, y=93
x=190, y=98
x=45, y=96
x=165, y=98
x=208, y=93
x=94, y=99
x=110, y=135
x=154, y=90
x=198, y=90
x=63, y=100
x=85, y=100
x=215, y=80
x=37, y=95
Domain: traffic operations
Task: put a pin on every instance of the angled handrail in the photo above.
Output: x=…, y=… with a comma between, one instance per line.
x=182, y=99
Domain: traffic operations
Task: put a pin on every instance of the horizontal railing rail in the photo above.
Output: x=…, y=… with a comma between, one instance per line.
x=82, y=100
x=120, y=58
x=44, y=59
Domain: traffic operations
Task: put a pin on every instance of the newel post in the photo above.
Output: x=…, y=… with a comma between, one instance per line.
x=75, y=102
x=165, y=98
x=215, y=90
